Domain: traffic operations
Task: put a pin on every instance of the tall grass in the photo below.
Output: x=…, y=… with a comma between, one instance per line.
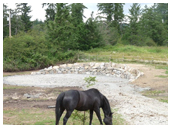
x=125, y=52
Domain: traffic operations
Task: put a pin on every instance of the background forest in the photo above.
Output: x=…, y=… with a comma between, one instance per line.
x=37, y=44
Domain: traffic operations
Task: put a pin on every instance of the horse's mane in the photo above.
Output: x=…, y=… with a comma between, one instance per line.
x=106, y=106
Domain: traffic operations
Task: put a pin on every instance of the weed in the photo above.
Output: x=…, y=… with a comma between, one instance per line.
x=5, y=87
x=45, y=122
x=154, y=92
x=161, y=76
x=90, y=81
x=164, y=100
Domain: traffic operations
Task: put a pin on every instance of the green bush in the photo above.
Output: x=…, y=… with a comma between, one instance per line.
x=136, y=40
x=31, y=50
x=25, y=51
x=150, y=42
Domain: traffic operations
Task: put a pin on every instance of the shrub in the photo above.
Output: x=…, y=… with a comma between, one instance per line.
x=150, y=42
x=31, y=50
x=25, y=51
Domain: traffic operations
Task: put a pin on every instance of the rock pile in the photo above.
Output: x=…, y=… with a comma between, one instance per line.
x=92, y=68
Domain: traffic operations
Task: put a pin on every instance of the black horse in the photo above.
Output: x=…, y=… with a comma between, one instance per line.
x=91, y=100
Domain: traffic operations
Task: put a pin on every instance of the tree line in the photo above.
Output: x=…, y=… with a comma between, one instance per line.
x=64, y=32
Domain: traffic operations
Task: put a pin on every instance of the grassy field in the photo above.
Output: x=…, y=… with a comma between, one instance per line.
x=47, y=117
x=126, y=53
x=37, y=116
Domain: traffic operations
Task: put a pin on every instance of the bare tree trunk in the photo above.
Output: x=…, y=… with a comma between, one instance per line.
x=9, y=24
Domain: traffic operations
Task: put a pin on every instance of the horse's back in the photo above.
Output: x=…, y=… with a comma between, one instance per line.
x=70, y=99
x=88, y=99
x=94, y=93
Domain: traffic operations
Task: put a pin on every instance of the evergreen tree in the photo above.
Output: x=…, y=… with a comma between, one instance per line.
x=50, y=11
x=39, y=25
x=61, y=30
x=107, y=9
x=151, y=25
x=132, y=31
x=118, y=16
x=80, y=33
x=93, y=37
x=5, y=21
x=114, y=13
x=16, y=22
x=135, y=13
x=162, y=9
x=25, y=10
x=77, y=10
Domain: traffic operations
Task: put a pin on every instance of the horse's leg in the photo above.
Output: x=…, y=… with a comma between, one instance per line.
x=68, y=114
x=97, y=110
x=91, y=116
x=61, y=110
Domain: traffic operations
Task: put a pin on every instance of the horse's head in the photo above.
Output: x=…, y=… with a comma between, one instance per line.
x=108, y=119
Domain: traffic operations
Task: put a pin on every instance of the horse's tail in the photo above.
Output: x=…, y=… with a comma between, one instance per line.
x=57, y=107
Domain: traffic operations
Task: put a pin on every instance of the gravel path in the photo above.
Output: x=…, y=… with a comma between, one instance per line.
x=135, y=108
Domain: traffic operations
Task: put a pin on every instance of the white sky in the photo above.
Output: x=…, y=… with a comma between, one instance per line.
x=39, y=13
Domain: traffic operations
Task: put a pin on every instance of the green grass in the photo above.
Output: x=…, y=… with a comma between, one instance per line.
x=117, y=119
x=161, y=67
x=28, y=116
x=157, y=94
x=125, y=53
x=165, y=67
x=161, y=76
x=47, y=117
x=130, y=48
x=12, y=87
x=154, y=92
x=17, y=73
x=164, y=100
x=45, y=122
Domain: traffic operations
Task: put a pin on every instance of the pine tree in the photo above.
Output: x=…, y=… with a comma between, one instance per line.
x=151, y=25
x=132, y=31
x=162, y=9
x=25, y=10
x=93, y=37
x=50, y=11
x=61, y=30
x=5, y=21
x=135, y=13
x=80, y=33
x=16, y=22
x=107, y=9
x=118, y=16
x=77, y=10
x=114, y=13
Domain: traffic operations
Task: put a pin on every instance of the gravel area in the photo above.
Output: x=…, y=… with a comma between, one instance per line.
x=134, y=107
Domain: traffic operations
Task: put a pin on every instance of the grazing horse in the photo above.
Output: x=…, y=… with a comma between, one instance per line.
x=91, y=100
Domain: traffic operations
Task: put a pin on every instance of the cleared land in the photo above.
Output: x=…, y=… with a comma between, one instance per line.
x=22, y=109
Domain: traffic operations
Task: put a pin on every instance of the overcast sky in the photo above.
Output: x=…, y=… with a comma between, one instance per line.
x=39, y=13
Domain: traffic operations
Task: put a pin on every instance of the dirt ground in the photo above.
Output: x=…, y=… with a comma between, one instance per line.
x=18, y=97
x=153, y=79
x=150, y=77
